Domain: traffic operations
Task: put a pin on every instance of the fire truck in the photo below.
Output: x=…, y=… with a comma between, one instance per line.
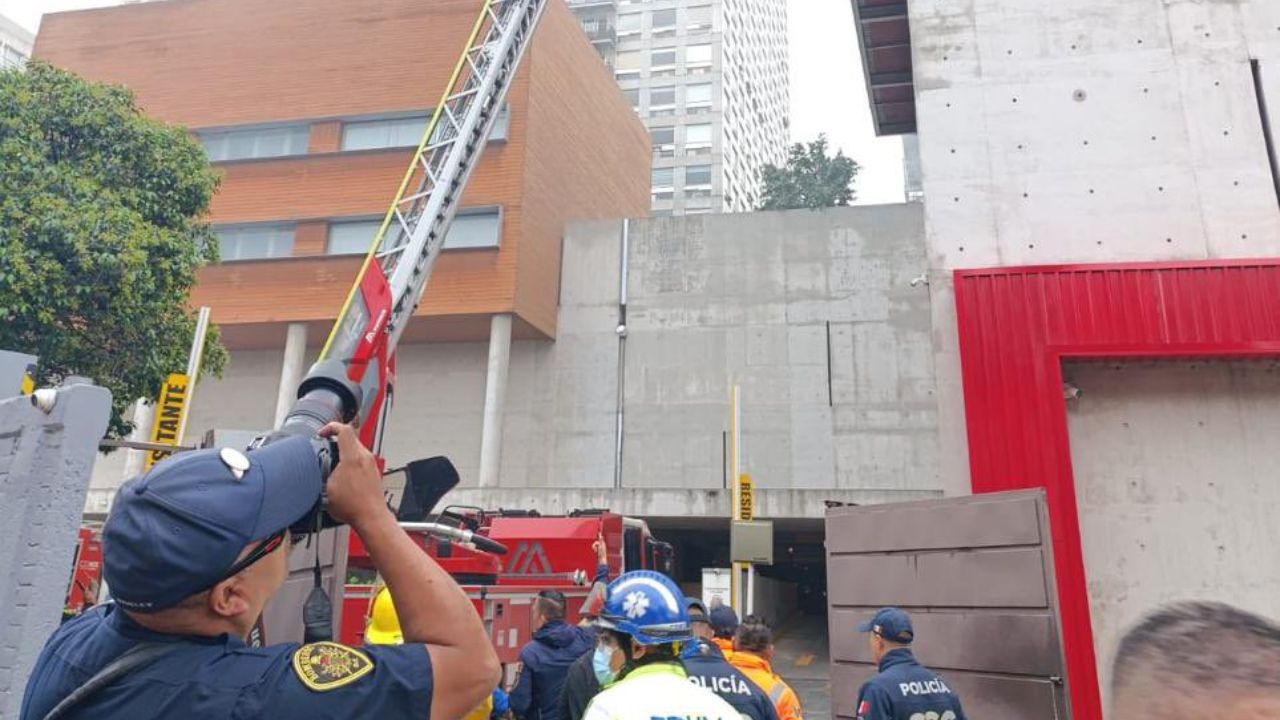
x=86, y=573
x=527, y=552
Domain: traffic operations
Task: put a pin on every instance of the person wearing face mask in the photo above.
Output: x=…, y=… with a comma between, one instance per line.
x=642, y=625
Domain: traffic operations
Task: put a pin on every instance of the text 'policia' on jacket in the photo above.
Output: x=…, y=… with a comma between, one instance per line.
x=706, y=667
x=905, y=689
x=660, y=690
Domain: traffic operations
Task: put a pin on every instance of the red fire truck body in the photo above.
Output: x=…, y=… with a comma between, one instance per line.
x=542, y=552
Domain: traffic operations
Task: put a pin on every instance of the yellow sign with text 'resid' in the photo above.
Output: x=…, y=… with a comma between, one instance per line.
x=746, y=501
x=169, y=409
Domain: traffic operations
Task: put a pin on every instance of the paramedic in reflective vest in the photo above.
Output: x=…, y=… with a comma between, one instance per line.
x=195, y=548
x=904, y=689
x=707, y=667
x=637, y=660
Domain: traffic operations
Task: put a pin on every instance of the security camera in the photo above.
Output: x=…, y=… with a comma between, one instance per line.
x=621, y=330
x=923, y=279
x=1070, y=391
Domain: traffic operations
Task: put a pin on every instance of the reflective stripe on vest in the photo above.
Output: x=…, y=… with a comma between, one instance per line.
x=775, y=695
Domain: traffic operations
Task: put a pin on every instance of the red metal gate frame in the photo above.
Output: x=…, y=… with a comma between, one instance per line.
x=1016, y=326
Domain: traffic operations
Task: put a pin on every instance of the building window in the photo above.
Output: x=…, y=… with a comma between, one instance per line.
x=255, y=242
x=698, y=55
x=633, y=97
x=697, y=139
x=698, y=95
x=405, y=132
x=662, y=101
x=11, y=57
x=471, y=228
x=663, y=183
x=481, y=228
x=260, y=142
x=351, y=237
x=663, y=62
x=629, y=24
x=697, y=175
x=664, y=21
x=664, y=141
x=388, y=133
x=628, y=63
x=501, y=124
x=698, y=18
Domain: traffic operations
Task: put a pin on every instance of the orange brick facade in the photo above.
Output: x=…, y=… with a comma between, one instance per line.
x=574, y=148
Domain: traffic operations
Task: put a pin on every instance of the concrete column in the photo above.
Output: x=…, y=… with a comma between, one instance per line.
x=495, y=398
x=144, y=412
x=291, y=369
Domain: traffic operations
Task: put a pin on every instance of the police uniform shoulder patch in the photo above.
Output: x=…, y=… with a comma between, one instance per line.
x=325, y=666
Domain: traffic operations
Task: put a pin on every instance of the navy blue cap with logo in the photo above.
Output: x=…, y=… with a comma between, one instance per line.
x=891, y=624
x=177, y=530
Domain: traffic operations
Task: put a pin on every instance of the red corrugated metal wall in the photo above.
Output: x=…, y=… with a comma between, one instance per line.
x=1017, y=324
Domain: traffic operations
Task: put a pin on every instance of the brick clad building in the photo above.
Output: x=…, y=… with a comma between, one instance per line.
x=310, y=109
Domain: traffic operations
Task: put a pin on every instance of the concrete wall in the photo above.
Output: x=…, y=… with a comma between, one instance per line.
x=774, y=600
x=1090, y=131
x=813, y=313
x=1168, y=511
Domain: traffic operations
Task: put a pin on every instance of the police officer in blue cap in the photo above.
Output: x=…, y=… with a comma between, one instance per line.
x=192, y=552
x=904, y=689
x=706, y=666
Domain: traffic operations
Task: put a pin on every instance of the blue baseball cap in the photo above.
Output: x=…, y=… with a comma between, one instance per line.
x=891, y=624
x=723, y=620
x=176, y=530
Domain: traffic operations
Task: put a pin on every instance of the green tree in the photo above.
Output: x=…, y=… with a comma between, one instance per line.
x=810, y=179
x=101, y=234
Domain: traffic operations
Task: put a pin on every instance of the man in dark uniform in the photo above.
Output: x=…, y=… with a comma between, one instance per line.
x=706, y=666
x=545, y=660
x=194, y=549
x=904, y=688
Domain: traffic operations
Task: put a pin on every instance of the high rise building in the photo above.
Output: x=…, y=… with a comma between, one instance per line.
x=15, y=44
x=709, y=79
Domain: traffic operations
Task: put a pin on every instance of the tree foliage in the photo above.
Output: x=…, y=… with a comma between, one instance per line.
x=810, y=179
x=101, y=234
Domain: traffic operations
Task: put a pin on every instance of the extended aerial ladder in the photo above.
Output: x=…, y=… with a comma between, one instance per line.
x=353, y=379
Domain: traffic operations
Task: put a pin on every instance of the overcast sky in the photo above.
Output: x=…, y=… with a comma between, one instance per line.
x=828, y=94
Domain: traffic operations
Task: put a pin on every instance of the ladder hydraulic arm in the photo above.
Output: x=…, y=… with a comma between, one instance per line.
x=352, y=381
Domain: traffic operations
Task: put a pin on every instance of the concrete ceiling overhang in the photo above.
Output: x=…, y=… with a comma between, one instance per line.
x=885, y=38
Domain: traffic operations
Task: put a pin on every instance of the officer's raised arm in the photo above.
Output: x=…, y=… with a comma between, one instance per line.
x=431, y=607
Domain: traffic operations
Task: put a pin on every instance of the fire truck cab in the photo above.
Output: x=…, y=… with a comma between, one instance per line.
x=542, y=552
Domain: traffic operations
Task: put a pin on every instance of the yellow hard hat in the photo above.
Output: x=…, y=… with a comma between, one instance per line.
x=384, y=624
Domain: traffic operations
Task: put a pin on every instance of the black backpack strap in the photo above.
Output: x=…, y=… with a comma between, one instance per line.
x=132, y=659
